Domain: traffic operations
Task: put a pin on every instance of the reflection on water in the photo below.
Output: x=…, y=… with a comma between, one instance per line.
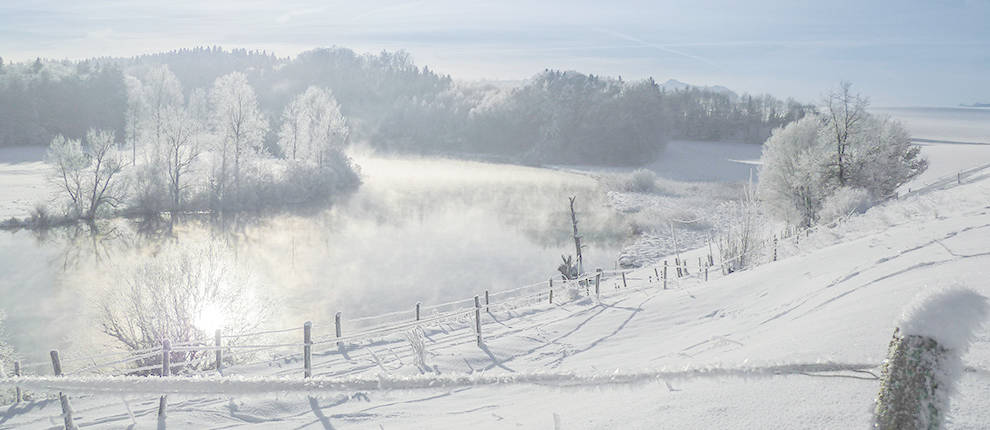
x=418, y=230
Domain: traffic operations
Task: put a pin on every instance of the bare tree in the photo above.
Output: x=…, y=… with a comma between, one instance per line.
x=88, y=174
x=844, y=113
x=313, y=127
x=239, y=125
x=179, y=150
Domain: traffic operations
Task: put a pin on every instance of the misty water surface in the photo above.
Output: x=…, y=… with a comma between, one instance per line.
x=424, y=230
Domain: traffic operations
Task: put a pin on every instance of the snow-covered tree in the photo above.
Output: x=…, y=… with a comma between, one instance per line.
x=161, y=91
x=178, y=150
x=804, y=163
x=792, y=183
x=882, y=157
x=88, y=173
x=313, y=127
x=845, y=113
x=239, y=126
x=134, y=116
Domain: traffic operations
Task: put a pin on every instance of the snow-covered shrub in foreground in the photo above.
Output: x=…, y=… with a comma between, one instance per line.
x=741, y=233
x=183, y=294
x=925, y=359
x=844, y=202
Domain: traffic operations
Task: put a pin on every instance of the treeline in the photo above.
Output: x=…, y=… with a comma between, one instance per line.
x=42, y=99
x=394, y=105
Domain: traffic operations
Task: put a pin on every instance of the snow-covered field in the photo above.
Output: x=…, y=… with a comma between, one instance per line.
x=25, y=182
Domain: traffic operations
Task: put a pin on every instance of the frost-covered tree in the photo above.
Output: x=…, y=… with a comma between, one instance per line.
x=792, y=183
x=161, y=91
x=846, y=148
x=239, y=126
x=134, y=116
x=844, y=115
x=88, y=173
x=178, y=150
x=313, y=127
x=882, y=157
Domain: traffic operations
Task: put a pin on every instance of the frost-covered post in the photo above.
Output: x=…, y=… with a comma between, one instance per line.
x=166, y=357
x=166, y=371
x=657, y=272
x=624, y=278
x=62, y=398
x=477, y=318
x=17, y=372
x=598, y=280
x=486, y=301
x=924, y=359
x=336, y=326
x=307, y=349
x=665, y=274
x=217, y=344
x=418, y=304
x=551, y=296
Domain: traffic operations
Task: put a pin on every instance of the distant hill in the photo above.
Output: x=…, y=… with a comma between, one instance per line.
x=979, y=105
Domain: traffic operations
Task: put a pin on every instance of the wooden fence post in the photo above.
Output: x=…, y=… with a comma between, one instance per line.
x=706, y=273
x=551, y=282
x=307, y=349
x=665, y=274
x=336, y=325
x=656, y=272
x=62, y=398
x=166, y=371
x=417, y=310
x=217, y=342
x=598, y=279
x=551, y=296
x=624, y=279
x=486, y=301
x=17, y=372
x=166, y=357
x=477, y=318
x=775, y=248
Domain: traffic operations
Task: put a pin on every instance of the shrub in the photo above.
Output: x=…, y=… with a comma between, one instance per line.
x=844, y=202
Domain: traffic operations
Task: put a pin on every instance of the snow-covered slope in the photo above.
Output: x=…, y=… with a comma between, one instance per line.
x=790, y=344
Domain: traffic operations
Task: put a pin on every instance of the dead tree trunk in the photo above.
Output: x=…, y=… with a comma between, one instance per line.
x=577, y=238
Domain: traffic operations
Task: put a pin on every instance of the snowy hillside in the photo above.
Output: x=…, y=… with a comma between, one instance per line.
x=795, y=343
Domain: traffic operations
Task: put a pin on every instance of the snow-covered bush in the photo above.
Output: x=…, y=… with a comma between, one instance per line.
x=181, y=294
x=924, y=360
x=844, y=202
x=741, y=232
x=640, y=181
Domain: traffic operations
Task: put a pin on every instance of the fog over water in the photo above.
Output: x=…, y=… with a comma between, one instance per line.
x=429, y=230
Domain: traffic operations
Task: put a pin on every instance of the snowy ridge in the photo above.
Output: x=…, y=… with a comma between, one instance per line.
x=258, y=385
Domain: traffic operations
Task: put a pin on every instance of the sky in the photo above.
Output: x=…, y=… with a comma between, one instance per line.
x=900, y=53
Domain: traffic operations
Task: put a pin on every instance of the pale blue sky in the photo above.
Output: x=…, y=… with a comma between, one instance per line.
x=898, y=52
